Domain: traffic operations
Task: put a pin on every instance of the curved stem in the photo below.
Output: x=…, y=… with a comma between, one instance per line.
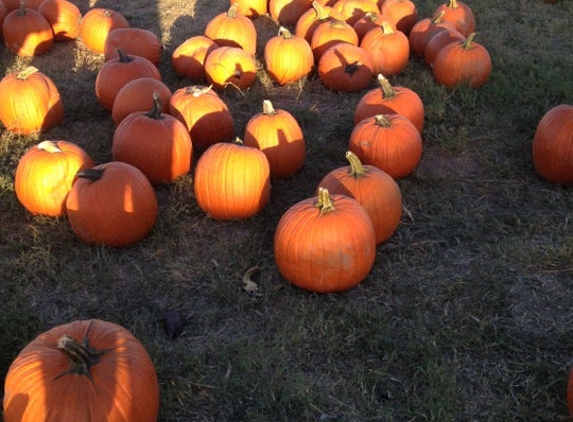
x=82, y=357
x=232, y=12
x=26, y=73
x=268, y=109
x=155, y=112
x=356, y=167
x=324, y=203
x=387, y=88
x=49, y=146
x=467, y=45
x=382, y=120
x=322, y=13
x=123, y=56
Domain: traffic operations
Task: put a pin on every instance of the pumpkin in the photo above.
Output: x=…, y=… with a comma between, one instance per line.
x=439, y=41
x=156, y=143
x=325, y=244
x=309, y=20
x=388, y=99
x=402, y=12
x=45, y=174
x=353, y=10
x=31, y=102
x=277, y=133
x=388, y=141
x=251, y=8
x=233, y=30
x=465, y=62
x=137, y=95
x=389, y=49
x=230, y=66
x=232, y=181
x=115, y=73
x=288, y=12
x=553, y=145
x=369, y=21
x=64, y=18
x=373, y=188
x=424, y=30
x=134, y=42
x=288, y=57
x=205, y=114
x=188, y=59
x=345, y=67
x=96, y=25
x=460, y=15
x=330, y=33
x=26, y=32
x=86, y=370
x=112, y=204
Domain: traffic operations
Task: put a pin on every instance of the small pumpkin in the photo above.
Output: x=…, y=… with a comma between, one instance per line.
x=233, y=30
x=26, y=32
x=389, y=49
x=345, y=67
x=388, y=141
x=277, y=133
x=83, y=370
x=134, y=42
x=31, y=102
x=188, y=59
x=45, y=174
x=230, y=66
x=325, y=244
x=112, y=204
x=288, y=57
x=96, y=25
x=137, y=95
x=64, y=17
x=373, y=188
x=232, y=181
x=552, y=147
x=156, y=143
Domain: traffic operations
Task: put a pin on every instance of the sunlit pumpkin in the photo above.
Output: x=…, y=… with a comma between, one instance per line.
x=188, y=59
x=402, y=12
x=137, y=95
x=251, y=8
x=26, y=32
x=288, y=57
x=345, y=67
x=389, y=49
x=64, y=17
x=135, y=42
x=287, y=12
x=96, y=24
x=233, y=30
x=230, y=67
x=459, y=14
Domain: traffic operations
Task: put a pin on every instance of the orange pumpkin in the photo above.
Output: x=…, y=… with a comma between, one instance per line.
x=288, y=12
x=402, y=12
x=369, y=21
x=288, y=57
x=459, y=14
x=26, y=32
x=233, y=30
x=388, y=141
x=137, y=95
x=31, y=102
x=63, y=16
x=277, y=133
x=45, y=174
x=96, y=25
x=309, y=20
x=553, y=145
x=373, y=188
x=388, y=99
x=325, y=244
x=115, y=73
x=156, y=143
x=205, y=114
x=353, y=10
x=251, y=8
x=230, y=66
x=112, y=204
x=439, y=41
x=90, y=369
x=329, y=33
x=134, y=42
x=424, y=30
x=389, y=49
x=345, y=67
x=232, y=181
x=188, y=59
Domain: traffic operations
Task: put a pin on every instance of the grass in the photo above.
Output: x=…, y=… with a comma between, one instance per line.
x=466, y=315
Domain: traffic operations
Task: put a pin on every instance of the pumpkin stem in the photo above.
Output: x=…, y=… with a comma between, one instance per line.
x=387, y=89
x=232, y=12
x=22, y=9
x=82, y=357
x=197, y=91
x=268, y=109
x=322, y=13
x=467, y=44
x=372, y=16
x=90, y=174
x=155, y=112
x=382, y=120
x=387, y=27
x=238, y=141
x=438, y=18
x=353, y=67
x=356, y=167
x=453, y=4
x=285, y=33
x=26, y=73
x=324, y=203
x=49, y=146
x=123, y=56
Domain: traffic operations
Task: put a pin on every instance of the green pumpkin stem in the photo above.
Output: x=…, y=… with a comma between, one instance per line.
x=467, y=44
x=386, y=86
x=356, y=167
x=324, y=203
x=155, y=112
x=268, y=109
x=382, y=120
x=82, y=357
x=439, y=17
x=92, y=174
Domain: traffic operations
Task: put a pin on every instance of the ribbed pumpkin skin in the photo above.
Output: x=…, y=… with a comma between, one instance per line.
x=352, y=10
x=309, y=20
x=63, y=16
x=345, y=67
x=26, y=32
x=288, y=57
x=188, y=59
x=96, y=24
x=329, y=33
x=31, y=102
x=388, y=141
x=45, y=174
x=232, y=29
x=403, y=12
x=230, y=66
x=459, y=14
x=251, y=8
x=424, y=30
x=287, y=12
x=137, y=95
x=232, y=181
x=439, y=41
x=116, y=210
x=325, y=252
x=375, y=190
x=122, y=386
x=388, y=49
x=277, y=133
x=135, y=42
x=553, y=145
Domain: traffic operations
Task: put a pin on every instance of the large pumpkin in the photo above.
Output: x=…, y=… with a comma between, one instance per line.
x=137, y=95
x=96, y=24
x=112, y=204
x=188, y=59
x=31, y=102
x=389, y=49
x=325, y=244
x=345, y=67
x=403, y=12
x=26, y=32
x=288, y=57
x=230, y=66
x=86, y=370
x=232, y=181
x=251, y=8
x=373, y=188
x=45, y=174
x=309, y=20
x=63, y=16
x=135, y=42
x=553, y=145
x=233, y=30
x=287, y=12
x=459, y=14
x=330, y=33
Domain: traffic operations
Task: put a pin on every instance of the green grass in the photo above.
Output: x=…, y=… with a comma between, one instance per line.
x=465, y=316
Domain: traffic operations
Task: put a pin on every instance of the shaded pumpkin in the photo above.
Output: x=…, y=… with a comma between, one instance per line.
x=288, y=12
x=31, y=102
x=137, y=95
x=369, y=21
x=277, y=133
x=459, y=14
x=112, y=204
x=353, y=10
x=439, y=41
x=26, y=32
x=552, y=148
x=188, y=59
x=325, y=244
x=64, y=18
x=288, y=57
x=424, y=30
x=230, y=66
x=95, y=26
x=329, y=33
x=402, y=12
x=156, y=143
x=309, y=20
x=231, y=29
x=45, y=174
x=91, y=369
x=251, y=8
x=373, y=188
x=345, y=67
x=134, y=42
x=232, y=181
x=389, y=49
x=388, y=141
